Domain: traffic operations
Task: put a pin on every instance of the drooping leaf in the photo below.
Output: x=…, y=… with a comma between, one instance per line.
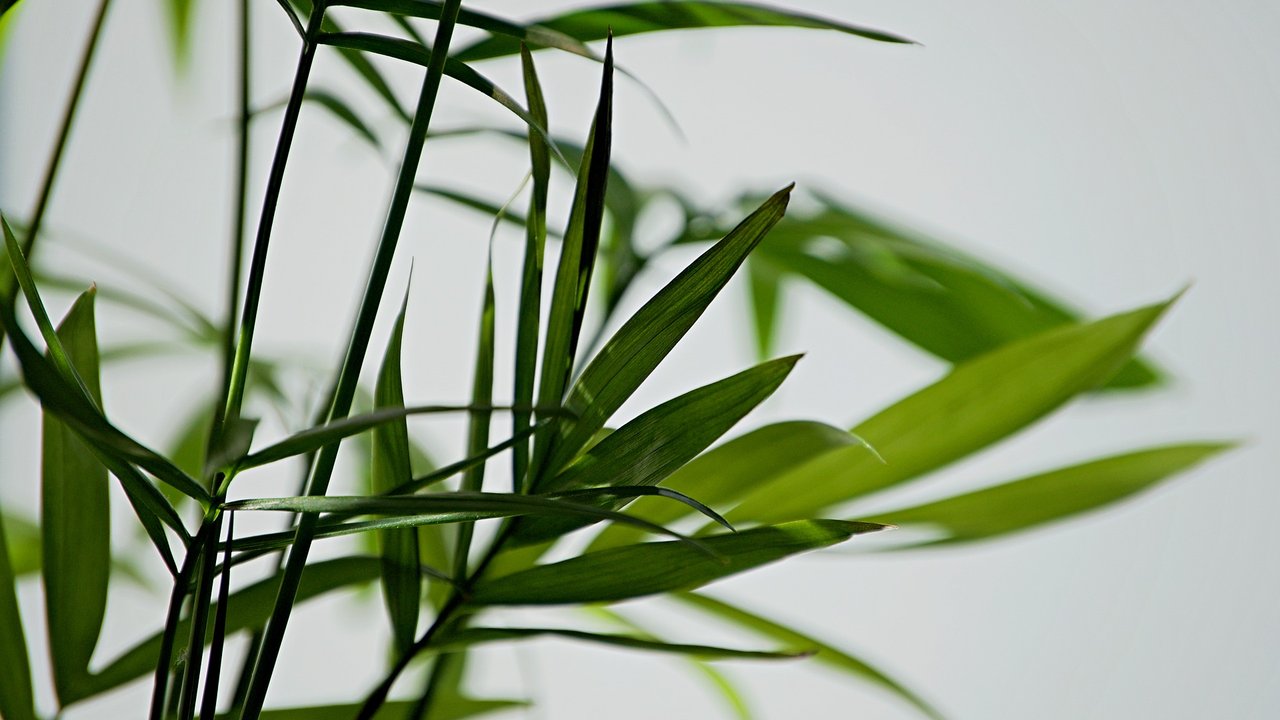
x=17, y=699
x=825, y=653
x=651, y=568
x=75, y=516
x=341, y=110
x=390, y=467
x=469, y=637
x=649, y=335
x=648, y=449
x=943, y=301
x=249, y=608
x=979, y=403
x=1049, y=497
x=642, y=17
x=726, y=474
x=573, y=275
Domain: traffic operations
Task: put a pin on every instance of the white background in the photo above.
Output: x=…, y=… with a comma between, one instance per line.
x=1112, y=151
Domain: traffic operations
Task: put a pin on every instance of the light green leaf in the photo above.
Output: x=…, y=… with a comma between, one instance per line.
x=727, y=473
x=17, y=700
x=179, y=16
x=75, y=517
x=390, y=467
x=979, y=403
x=642, y=17
x=1052, y=496
x=469, y=637
x=652, y=568
x=645, y=339
x=765, y=297
x=826, y=654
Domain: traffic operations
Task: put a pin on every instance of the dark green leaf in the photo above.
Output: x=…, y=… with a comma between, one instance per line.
x=979, y=403
x=481, y=635
x=342, y=111
x=825, y=654
x=645, y=339
x=1052, y=496
x=456, y=708
x=478, y=423
x=17, y=700
x=652, y=568
x=75, y=517
x=390, y=467
x=642, y=17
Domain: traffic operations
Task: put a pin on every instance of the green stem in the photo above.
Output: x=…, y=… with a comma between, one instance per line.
x=356, y=349
x=181, y=583
x=262, y=241
x=200, y=614
x=59, y=147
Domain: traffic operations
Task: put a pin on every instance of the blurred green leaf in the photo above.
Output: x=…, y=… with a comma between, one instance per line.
x=651, y=568
x=343, y=112
x=764, y=289
x=17, y=700
x=75, y=517
x=825, y=654
x=249, y=608
x=179, y=16
x=1052, y=496
x=24, y=545
x=469, y=637
x=979, y=403
x=645, y=339
x=642, y=17
x=390, y=467
x=727, y=473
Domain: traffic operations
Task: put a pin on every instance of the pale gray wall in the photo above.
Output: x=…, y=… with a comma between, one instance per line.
x=1113, y=151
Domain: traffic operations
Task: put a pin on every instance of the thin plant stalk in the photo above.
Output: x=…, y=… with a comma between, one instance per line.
x=356, y=349
x=60, y=145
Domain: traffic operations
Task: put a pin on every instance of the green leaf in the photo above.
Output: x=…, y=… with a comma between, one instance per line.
x=651, y=568
x=645, y=339
x=642, y=17
x=249, y=608
x=480, y=423
x=826, y=654
x=727, y=473
x=1052, y=496
x=943, y=301
x=412, y=52
x=469, y=637
x=648, y=449
x=573, y=275
x=390, y=467
x=314, y=438
x=24, y=545
x=75, y=517
x=765, y=290
x=456, y=708
x=979, y=403
x=179, y=16
x=17, y=700
x=343, y=112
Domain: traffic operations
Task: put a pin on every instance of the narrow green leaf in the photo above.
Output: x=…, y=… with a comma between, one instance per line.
x=648, y=449
x=456, y=709
x=479, y=423
x=249, y=608
x=765, y=290
x=642, y=17
x=313, y=439
x=530, y=312
x=17, y=699
x=645, y=339
x=979, y=403
x=573, y=273
x=826, y=654
x=469, y=637
x=943, y=301
x=75, y=517
x=1049, y=497
x=179, y=16
x=662, y=567
x=390, y=467
x=343, y=112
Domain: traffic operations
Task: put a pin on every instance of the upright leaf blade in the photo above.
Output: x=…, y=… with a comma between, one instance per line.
x=979, y=403
x=645, y=339
x=390, y=468
x=653, y=568
x=17, y=700
x=1049, y=497
x=75, y=517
